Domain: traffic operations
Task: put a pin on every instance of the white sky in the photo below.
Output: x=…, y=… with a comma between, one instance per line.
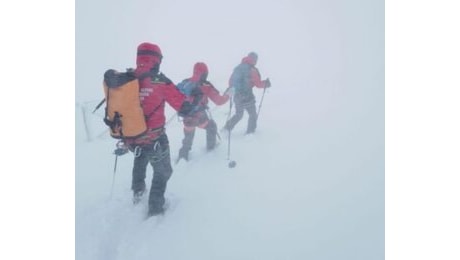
x=420, y=53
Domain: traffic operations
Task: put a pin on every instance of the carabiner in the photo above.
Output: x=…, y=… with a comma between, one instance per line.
x=137, y=151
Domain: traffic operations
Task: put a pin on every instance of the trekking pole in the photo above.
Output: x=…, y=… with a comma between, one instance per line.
x=261, y=100
x=99, y=105
x=171, y=118
x=228, y=146
x=114, y=172
x=119, y=151
x=230, y=112
x=231, y=164
x=229, y=131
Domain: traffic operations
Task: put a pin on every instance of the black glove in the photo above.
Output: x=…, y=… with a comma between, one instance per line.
x=268, y=83
x=121, y=149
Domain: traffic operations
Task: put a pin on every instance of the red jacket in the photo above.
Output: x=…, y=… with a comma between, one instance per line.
x=212, y=93
x=200, y=73
x=154, y=92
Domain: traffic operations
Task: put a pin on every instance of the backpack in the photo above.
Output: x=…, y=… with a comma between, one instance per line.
x=123, y=112
x=194, y=94
x=240, y=78
x=187, y=87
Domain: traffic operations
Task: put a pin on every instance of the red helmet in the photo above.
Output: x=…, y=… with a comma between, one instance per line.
x=148, y=55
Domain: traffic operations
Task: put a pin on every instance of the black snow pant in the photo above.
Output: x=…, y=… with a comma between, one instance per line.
x=158, y=155
x=240, y=107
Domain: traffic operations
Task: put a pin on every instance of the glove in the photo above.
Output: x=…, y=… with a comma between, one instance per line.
x=267, y=83
x=122, y=149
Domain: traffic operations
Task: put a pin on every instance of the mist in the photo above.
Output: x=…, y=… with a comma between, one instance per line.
x=309, y=184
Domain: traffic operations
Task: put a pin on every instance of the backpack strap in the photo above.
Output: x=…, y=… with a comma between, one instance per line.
x=115, y=123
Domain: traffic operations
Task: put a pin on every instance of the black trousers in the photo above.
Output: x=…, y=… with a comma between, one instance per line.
x=158, y=155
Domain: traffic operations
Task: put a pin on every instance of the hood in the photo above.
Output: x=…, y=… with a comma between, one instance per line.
x=200, y=72
x=250, y=59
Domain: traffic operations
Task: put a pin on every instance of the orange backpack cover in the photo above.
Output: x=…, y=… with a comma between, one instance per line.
x=123, y=112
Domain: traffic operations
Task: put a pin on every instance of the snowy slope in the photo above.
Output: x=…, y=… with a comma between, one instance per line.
x=308, y=185
x=298, y=191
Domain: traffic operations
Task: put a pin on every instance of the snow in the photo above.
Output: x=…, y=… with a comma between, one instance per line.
x=309, y=184
x=295, y=193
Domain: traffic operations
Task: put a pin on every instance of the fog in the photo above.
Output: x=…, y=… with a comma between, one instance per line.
x=309, y=183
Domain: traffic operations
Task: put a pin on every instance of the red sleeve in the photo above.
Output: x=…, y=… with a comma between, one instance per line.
x=210, y=91
x=255, y=78
x=173, y=96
